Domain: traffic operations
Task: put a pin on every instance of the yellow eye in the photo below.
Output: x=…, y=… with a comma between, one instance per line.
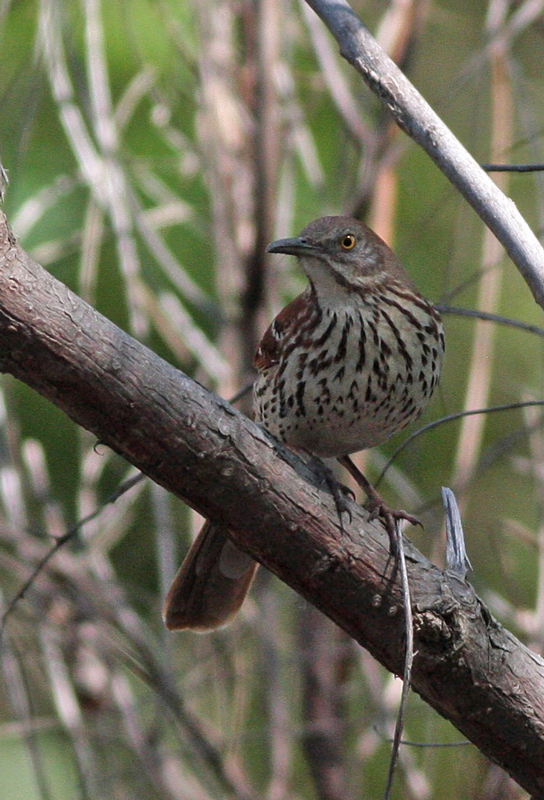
x=348, y=241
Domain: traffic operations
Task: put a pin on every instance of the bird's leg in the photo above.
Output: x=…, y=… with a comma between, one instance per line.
x=376, y=505
x=338, y=490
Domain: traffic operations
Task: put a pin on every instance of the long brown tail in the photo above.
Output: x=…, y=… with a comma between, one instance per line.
x=210, y=585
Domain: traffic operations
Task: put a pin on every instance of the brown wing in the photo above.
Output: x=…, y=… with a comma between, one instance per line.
x=269, y=351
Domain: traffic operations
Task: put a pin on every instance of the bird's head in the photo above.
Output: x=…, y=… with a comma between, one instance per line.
x=341, y=252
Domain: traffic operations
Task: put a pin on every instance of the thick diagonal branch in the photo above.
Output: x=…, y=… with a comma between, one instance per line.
x=466, y=665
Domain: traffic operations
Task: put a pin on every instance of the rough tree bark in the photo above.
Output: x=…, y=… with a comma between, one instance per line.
x=469, y=668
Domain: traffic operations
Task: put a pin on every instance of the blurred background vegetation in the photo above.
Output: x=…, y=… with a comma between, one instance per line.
x=153, y=148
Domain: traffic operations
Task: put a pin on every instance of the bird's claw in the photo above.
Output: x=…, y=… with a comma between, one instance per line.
x=341, y=494
x=377, y=508
x=345, y=490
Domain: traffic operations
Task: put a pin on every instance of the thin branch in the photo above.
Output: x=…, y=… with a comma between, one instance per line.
x=438, y=745
x=451, y=418
x=408, y=661
x=489, y=317
x=513, y=167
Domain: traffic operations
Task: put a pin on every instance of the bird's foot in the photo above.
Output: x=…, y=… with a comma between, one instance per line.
x=340, y=493
x=378, y=509
x=377, y=506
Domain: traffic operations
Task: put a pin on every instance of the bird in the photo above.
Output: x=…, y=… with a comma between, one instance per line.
x=346, y=365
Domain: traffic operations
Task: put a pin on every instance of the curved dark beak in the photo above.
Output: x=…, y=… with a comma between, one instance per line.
x=297, y=246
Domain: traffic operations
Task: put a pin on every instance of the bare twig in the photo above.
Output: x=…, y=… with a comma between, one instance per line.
x=513, y=167
x=451, y=418
x=490, y=317
x=408, y=660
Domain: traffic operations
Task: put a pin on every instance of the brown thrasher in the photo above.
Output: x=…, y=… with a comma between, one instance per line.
x=347, y=364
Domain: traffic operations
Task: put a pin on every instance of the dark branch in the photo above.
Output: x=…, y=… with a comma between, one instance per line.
x=436, y=423
x=488, y=317
x=513, y=167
